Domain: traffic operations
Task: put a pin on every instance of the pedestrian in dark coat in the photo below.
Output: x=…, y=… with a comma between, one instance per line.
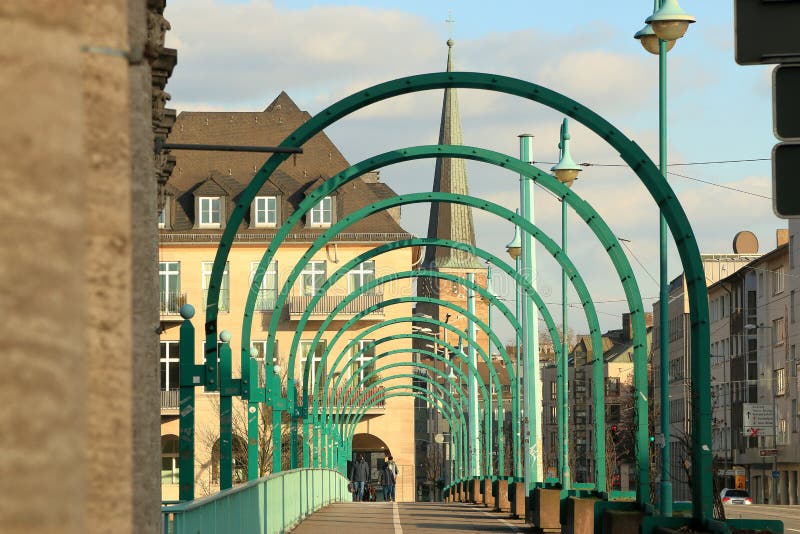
x=359, y=475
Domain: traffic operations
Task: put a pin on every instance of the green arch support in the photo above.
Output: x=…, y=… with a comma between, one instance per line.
x=631, y=153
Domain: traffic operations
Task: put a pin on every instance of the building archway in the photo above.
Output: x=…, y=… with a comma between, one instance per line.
x=375, y=451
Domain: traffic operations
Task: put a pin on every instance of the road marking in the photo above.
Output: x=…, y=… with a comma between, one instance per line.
x=791, y=529
x=506, y=523
x=396, y=517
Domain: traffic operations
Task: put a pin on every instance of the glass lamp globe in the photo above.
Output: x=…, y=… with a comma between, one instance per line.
x=670, y=21
x=649, y=40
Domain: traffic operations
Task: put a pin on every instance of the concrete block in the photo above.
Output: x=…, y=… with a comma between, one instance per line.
x=488, y=498
x=516, y=493
x=502, y=502
x=622, y=521
x=580, y=516
x=546, y=509
x=475, y=490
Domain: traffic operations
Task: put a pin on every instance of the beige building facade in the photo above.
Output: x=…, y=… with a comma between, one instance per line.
x=199, y=200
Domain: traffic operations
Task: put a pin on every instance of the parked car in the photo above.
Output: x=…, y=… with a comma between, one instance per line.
x=735, y=496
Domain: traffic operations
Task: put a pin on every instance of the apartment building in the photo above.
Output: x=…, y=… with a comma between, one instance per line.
x=619, y=409
x=199, y=198
x=716, y=266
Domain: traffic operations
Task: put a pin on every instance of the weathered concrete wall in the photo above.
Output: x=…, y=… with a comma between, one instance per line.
x=43, y=288
x=79, y=408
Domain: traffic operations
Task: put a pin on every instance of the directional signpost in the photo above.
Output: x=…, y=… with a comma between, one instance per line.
x=758, y=419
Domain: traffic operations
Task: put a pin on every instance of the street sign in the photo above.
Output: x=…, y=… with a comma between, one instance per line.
x=758, y=419
x=775, y=474
x=768, y=452
x=766, y=31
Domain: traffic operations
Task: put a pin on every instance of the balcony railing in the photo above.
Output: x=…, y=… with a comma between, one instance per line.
x=171, y=302
x=338, y=397
x=299, y=304
x=170, y=400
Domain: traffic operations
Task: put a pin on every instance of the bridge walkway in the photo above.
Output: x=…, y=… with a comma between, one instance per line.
x=407, y=518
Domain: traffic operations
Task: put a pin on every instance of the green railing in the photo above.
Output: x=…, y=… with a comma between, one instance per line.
x=267, y=505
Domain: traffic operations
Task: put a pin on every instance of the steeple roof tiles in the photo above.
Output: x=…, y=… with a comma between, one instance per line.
x=448, y=220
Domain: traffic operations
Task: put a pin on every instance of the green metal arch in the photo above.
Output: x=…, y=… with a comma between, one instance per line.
x=548, y=243
x=631, y=153
x=434, y=370
x=416, y=392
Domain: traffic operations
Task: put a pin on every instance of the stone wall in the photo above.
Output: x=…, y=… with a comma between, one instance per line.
x=79, y=412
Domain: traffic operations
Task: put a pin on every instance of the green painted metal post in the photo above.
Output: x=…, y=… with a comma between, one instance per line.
x=562, y=389
x=500, y=443
x=474, y=412
x=277, y=428
x=516, y=430
x=665, y=497
x=530, y=331
x=252, y=414
x=187, y=405
x=225, y=413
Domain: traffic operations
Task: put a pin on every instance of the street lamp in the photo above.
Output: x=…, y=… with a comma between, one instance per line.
x=566, y=171
x=514, y=249
x=774, y=491
x=667, y=24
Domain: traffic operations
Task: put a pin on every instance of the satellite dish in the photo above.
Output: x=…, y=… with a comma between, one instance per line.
x=745, y=242
x=438, y=438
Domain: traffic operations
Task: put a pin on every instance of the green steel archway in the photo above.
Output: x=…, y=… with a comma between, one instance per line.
x=591, y=315
x=631, y=154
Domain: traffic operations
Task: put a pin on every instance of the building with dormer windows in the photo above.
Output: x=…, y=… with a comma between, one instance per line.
x=201, y=195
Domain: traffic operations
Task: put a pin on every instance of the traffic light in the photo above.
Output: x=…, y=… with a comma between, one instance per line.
x=766, y=34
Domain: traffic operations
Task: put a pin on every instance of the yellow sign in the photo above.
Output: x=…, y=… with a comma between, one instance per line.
x=739, y=477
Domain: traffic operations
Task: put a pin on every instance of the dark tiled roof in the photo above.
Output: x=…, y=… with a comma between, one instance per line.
x=228, y=173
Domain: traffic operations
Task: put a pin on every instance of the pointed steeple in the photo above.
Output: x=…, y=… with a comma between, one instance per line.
x=450, y=221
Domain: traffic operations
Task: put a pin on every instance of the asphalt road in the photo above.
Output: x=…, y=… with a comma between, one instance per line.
x=790, y=515
x=399, y=518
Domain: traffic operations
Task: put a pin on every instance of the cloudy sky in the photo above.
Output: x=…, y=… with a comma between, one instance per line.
x=238, y=55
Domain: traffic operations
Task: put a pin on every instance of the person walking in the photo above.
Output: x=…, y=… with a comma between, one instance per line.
x=359, y=476
x=389, y=479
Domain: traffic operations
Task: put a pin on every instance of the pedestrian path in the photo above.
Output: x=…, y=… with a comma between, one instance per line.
x=407, y=518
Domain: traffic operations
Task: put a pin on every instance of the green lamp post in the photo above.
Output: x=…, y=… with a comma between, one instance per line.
x=667, y=24
x=566, y=171
x=514, y=249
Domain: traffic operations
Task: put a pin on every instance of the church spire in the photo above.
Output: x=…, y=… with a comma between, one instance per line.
x=450, y=221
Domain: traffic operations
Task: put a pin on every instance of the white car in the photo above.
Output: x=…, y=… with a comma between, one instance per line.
x=735, y=496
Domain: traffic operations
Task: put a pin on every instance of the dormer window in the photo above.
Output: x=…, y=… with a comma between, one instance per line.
x=322, y=213
x=265, y=211
x=210, y=216
x=162, y=217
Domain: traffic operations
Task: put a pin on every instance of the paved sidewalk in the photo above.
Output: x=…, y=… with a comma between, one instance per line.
x=399, y=518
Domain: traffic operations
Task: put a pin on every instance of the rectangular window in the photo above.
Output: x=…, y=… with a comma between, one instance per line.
x=210, y=211
x=313, y=277
x=794, y=415
x=613, y=414
x=580, y=414
x=780, y=381
x=322, y=213
x=612, y=385
x=362, y=363
x=792, y=316
x=224, y=296
x=777, y=280
x=761, y=288
x=319, y=370
x=553, y=415
x=361, y=275
x=553, y=390
x=268, y=290
x=169, y=276
x=778, y=331
x=261, y=361
x=266, y=211
x=162, y=217
x=782, y=432
x=793, y=361
x=170, y=366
